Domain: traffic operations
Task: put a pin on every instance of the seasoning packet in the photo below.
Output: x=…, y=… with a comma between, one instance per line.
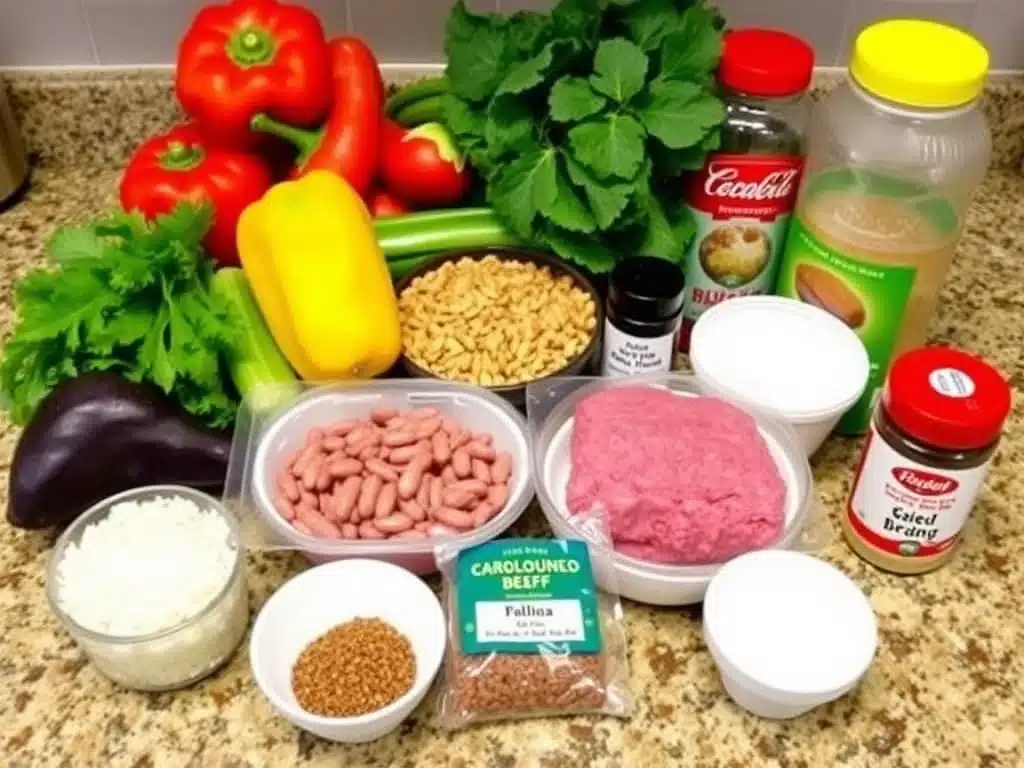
x=530, y=634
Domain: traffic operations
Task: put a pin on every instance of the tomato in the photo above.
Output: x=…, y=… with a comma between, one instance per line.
x=383, y=204
x=422, y=166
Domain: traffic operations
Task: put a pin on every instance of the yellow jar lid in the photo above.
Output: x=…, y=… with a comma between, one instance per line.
x=919, y=63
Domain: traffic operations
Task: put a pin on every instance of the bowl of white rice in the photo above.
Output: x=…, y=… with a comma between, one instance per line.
x=151, y=583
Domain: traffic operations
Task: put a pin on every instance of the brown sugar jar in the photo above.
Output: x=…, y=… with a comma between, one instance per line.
x=927, y=454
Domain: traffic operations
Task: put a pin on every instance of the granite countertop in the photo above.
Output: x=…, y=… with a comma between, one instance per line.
x=944, y=689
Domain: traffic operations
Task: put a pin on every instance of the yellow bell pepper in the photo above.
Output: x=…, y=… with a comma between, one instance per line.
x=310, y=253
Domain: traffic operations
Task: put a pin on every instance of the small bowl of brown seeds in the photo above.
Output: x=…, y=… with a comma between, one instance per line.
x=348, y=664
x=499, y=319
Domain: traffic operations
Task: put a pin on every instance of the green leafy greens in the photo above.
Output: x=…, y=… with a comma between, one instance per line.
x=125, y=296
x=582, y=120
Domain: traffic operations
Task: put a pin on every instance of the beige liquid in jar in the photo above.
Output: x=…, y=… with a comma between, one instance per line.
x=886, y=231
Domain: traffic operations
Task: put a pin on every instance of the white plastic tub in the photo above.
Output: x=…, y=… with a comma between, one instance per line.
x=788, y=632
x=279, y=437
x=789, y=360
x=643, y=581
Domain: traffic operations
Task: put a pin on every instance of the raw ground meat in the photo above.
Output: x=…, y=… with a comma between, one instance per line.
x=682, y=480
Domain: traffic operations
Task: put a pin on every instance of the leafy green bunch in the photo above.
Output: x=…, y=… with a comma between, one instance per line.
x=130, y=297
x=581, y=121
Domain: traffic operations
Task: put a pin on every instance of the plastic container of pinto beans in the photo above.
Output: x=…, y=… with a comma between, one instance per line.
x=329, y=472
x=927, y=454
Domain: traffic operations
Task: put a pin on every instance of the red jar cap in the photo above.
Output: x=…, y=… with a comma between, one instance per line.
x=765, y=62
x=946, y=398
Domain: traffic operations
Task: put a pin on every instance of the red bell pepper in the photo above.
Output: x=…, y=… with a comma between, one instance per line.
x=180, y=166
x=253, y=56
x=422, y=166
x=349, y=144
x=383, y=205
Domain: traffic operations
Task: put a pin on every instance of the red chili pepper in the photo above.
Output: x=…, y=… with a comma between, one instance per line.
x=383, y=204
x=179, y=166
x=349, y=144
x=248, y=57
x=423, y=166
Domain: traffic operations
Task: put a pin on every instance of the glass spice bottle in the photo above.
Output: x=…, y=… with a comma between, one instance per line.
x=928, y=451
x=742, y=198
x=645, y=299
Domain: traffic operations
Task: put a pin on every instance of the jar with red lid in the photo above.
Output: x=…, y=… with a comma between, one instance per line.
x=925, y=460
x=743, y=196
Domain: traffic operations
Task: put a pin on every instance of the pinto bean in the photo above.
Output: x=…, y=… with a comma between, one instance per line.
x=397, y=523
x=501, y=470
x=454, y=518
x=481, y=470
x=368, y=496
x=479, y=450
x=385, y=501
x=381, y=416
x=398, y=438
x=383, y=469
x=497, y=495
x=367, y=530
x=346, y=496
x=474, y=486
x=409, y=482
x=411, y=509
x=346, y=467
x=461, y=464
x=288, y=487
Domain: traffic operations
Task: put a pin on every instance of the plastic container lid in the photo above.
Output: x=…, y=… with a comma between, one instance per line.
x=947, y=398
x=790, y=622
x=780, y=354
x=646, y=288
x=919, y=63
x=765, y=62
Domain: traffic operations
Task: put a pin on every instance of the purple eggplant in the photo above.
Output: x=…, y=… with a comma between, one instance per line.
x=99, y=434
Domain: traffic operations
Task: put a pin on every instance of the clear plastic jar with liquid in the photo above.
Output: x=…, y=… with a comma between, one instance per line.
x=895, y=155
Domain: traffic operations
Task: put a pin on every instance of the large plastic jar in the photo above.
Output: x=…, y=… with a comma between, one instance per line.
x=895, y=154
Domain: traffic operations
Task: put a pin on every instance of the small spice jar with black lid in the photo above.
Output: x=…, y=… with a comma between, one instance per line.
x=927, y=454
x=642, y=313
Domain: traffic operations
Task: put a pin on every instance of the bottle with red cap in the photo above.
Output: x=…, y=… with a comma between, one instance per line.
x=743, y=196
x=928, y=451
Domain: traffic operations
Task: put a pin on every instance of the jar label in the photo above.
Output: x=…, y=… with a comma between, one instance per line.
x=868, y=297
x=626, y=355
x=909, y=509
x=741, y=205
x=951, y=382
x=527, y=595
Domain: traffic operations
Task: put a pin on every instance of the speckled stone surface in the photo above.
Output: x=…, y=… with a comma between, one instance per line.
x=945, y=689
x=97, y=119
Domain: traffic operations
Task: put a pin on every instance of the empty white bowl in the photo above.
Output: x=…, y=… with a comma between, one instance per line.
x=789, y=360
x=321, y=598
x=788, y=632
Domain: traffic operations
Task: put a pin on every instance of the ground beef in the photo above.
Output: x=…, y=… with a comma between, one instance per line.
x=683, y=480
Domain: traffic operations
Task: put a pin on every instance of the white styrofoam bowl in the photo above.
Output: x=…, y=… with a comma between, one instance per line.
x=321, y=598
x=828, y=349
x=472, y=407
x=630, y=577
x=788, y=632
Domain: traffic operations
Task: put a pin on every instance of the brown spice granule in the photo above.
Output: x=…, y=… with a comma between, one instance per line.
x=522, y=683
x=355, y=668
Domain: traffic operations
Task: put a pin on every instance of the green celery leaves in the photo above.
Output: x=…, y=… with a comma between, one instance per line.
x=130, y=297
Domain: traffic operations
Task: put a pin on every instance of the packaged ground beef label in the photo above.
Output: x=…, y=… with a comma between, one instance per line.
x=529, y=633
